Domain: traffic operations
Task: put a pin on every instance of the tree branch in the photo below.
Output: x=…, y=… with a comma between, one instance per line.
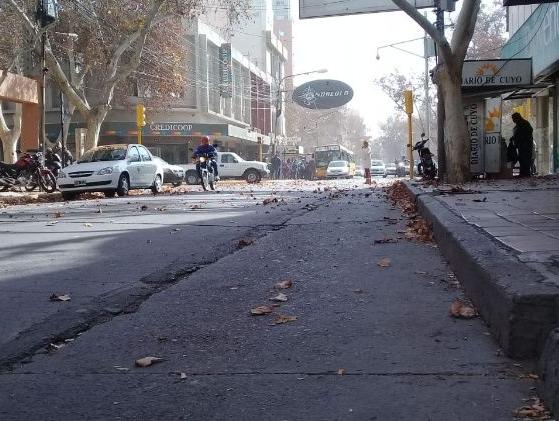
x=62, y=80
x=465, y=26
x=440, y=40
x=120, y=72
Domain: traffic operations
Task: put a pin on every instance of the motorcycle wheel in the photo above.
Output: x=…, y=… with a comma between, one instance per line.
x=205, y=181
x=31, y=186
x=48, y=182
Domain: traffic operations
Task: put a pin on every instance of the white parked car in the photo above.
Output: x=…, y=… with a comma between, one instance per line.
x=111, y=169
x=378, y=168
x=231, y=165
x=338, y=169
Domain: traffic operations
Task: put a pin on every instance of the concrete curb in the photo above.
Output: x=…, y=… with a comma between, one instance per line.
x=518, y=305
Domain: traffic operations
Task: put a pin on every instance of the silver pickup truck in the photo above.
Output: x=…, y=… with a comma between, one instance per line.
x=231, y=165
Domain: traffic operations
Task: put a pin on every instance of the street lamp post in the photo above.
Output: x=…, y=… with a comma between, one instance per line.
x=279, y=104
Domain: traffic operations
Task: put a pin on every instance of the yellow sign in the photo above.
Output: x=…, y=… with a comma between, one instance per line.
x=408, y=102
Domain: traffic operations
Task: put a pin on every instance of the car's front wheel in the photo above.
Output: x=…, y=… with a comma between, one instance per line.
x=123, y=186
x=69, y=195
x=252, y=176
x=192, y=178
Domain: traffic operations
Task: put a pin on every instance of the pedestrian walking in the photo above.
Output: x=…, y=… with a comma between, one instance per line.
x=524, y=142
x=311, y=168
x=276, y=166
x=366, y=160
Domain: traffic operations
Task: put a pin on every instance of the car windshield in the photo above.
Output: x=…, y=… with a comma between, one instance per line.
x=377, y=163
x=104, y=153
x=338, y=164
x=239, y=159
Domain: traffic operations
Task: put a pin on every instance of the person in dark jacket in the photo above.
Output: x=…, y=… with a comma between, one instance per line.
x=524, y=142
x=206, y=150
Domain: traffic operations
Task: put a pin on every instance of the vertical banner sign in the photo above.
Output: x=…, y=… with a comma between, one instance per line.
x=474, y=118
x=225, y=71
x=492, y=135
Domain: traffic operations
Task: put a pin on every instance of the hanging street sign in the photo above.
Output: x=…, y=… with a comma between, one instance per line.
x=323, y=94
x=491, y=73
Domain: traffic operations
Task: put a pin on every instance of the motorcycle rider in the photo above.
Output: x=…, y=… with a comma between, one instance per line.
x=205, y=149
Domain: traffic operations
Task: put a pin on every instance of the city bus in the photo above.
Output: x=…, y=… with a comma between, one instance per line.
x=326, y=153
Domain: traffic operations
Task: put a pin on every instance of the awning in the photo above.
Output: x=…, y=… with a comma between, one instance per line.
x=172, y=130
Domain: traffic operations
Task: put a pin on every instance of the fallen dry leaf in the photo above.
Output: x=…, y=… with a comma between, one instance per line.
x=244, y=243
x=536, y=411
x=341, y=371
x=284, y=319
x=270, y=200
x=384, y=262
x=284, y=284
x=87, y=225
x=58, y=215
x=147, y=361
x=182, y=376
x=282, y=298
x=59, y=297
x=260, y=310
x=462, y=311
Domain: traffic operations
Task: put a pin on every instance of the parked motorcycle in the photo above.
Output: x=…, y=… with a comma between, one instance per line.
x=426, y=166
x=207, y=172
x=28, y=172
x=53, y=162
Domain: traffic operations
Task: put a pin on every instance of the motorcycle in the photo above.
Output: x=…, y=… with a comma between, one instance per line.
x=53, y=162
x=426, y=166
x=207, y=172
x=28, y=172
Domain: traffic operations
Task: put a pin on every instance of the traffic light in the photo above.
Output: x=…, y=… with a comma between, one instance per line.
x=47, y=11
x=140, y=115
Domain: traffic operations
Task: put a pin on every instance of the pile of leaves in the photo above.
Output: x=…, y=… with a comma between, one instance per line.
x=533, y=411
x=418, y=229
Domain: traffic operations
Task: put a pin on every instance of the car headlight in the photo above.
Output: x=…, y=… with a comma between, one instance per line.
x=105, y=171
x=61, y=174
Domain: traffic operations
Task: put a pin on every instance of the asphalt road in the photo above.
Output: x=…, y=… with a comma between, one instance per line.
x=368, y=343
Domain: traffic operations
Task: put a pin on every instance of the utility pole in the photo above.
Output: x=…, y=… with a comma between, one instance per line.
x=47, y=13
x=441, y=153
x=408, y=102
x=426, y=84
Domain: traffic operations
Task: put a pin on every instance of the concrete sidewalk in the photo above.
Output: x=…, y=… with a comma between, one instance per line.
x=521, y=214
x=502, y=238
x=368, y=343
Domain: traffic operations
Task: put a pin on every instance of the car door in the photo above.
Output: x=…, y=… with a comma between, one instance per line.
x=134, y=165
x=227, y=165
x=148, y=166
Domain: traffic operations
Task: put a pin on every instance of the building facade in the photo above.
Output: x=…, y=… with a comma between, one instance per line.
x=229, y=95
x=534, y=33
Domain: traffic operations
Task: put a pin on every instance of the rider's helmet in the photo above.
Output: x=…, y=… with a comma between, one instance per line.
x=205, y=140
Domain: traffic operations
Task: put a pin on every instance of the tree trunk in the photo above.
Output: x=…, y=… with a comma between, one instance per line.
x=457, y=141
x=10, y=137
x=94, y=122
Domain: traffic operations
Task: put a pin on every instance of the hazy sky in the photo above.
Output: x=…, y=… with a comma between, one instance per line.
x=347, y=47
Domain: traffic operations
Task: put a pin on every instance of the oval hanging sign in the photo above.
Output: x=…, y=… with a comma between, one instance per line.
x=323, y=94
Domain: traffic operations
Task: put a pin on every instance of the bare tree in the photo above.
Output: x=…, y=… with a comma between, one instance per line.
x=120, y=42
x=448, y=75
